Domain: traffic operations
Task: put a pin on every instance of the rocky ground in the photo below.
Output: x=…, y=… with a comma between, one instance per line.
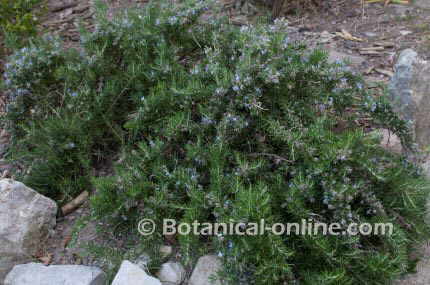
x=370, y=36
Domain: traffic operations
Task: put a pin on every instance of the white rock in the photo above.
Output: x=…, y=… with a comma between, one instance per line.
x=171, y=273
x=405, y=33
x=131, y=274
x=39, y=274
x=26, y=218
x=206, y=267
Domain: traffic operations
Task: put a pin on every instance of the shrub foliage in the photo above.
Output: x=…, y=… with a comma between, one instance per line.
x=18, y=17
x=216, y=123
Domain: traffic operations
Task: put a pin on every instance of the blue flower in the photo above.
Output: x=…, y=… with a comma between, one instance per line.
x=207, y=121
x=173, y=20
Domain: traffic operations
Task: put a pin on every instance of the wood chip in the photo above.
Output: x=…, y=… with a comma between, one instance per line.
x=59, y=22
x=372, y=48
x=47, y=259
x=75, y=203
x=88, y=16
x=384, y=44
x=371, y=52
x=386, y=2
x=66, y=241
x=59, y=8
x=385, y=72
x=81, y=9
x=347, y=36
x=373, y=84
x=369, y=70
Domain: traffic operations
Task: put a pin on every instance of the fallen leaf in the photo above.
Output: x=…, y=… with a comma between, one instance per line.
x=384, y=44
x=385, y=72
x=66, y=241
x=372, y=48
x=370, y=52
x=347, y=36
x=47, y=259
x=369, y=70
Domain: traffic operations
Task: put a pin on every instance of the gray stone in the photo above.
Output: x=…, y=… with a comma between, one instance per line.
x=335, y=56
x=425, y=4
x=130, y=273
x=171, y=273
x=39, y=274
x=207, y=267
x=370, y=34
x=409, y=91
x=426, y=167
x=26, y=218
x=401, y=11
x=84, y=237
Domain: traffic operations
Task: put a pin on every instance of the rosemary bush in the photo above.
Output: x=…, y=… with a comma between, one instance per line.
x=212, y=122
x=18, y=19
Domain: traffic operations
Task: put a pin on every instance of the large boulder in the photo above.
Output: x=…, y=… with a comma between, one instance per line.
x=130, y=273
x=26, y=218
x=206, y=269
x=39, y=274
x=410, y=94
x=409, y=91
x=171, y=273
x=425, y=4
